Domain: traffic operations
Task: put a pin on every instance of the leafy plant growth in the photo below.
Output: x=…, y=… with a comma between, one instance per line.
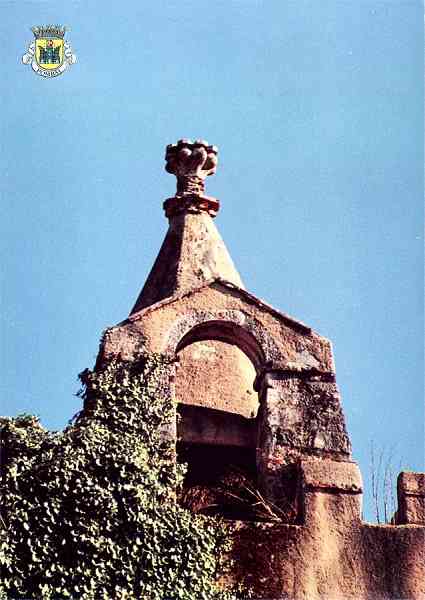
x=90, y=512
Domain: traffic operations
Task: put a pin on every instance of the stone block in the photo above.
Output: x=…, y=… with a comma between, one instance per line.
x=411, y=498
x=201, y=425
x=331, y=475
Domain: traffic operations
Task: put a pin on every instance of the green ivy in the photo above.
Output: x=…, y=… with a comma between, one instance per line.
x=90, y=512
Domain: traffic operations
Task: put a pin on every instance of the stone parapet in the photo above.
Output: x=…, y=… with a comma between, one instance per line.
x=331, y=493
x=411, y=498
x=327, y=560
x=331, y=553
x=332, y=476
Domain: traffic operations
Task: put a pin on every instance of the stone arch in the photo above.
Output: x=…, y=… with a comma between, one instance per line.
x=225, y=331
x=231, y=326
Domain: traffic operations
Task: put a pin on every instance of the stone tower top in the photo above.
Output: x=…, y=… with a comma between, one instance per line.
x=257, y=408
x=191, y=162
x=192, y=252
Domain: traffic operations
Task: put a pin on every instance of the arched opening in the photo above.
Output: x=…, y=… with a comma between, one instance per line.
x=225, y=331
x=217, y=375
x=217, y=407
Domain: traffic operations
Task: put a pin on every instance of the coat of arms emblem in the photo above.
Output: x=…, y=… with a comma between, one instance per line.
x=49, y=54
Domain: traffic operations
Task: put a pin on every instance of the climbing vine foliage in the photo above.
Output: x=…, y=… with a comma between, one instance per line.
x=90, y=512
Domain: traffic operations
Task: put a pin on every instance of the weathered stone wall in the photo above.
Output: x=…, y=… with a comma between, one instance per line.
x=332, y=554
x=300, y=415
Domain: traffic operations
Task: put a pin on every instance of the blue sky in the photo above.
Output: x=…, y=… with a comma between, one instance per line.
x=317, y=110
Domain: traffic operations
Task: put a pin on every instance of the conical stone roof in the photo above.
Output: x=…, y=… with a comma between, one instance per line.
x=193, y=251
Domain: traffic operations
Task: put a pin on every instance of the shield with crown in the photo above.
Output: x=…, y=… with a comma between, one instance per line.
x=49, y=54
x=49, y=47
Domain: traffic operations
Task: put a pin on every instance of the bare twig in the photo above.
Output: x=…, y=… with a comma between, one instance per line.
x=383, y=482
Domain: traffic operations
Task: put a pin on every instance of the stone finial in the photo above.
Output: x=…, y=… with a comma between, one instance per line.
x=191, y=162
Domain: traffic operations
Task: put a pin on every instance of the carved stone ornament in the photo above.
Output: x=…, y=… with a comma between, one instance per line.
x=191, y=162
